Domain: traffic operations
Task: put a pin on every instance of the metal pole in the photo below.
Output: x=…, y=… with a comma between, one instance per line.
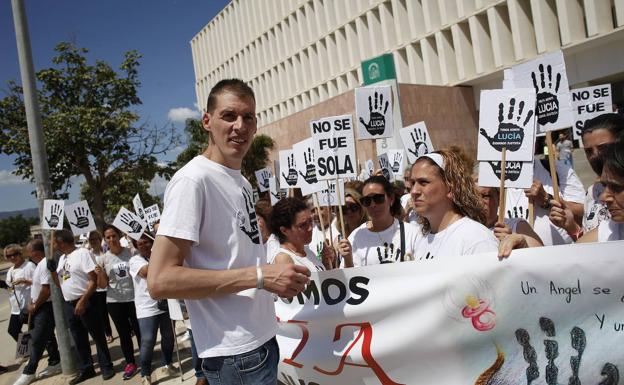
x=40, y=167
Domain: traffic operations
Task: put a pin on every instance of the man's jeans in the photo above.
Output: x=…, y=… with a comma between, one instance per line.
x=43, y=338
x=257, y=367
x=149, y=327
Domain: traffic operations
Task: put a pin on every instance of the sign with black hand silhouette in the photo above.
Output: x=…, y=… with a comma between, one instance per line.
x=306, y=167
x=53, y=210
x=506, y=119
x=547, y=75
x=275, y=192
x=416, y=140
x=138, y=206
x=385, y=166
x=130, y=223
x=396, y=161
x=517, y=174
x=329, y=195
x=288, y=169
x=334, y=147
x=516, y=204
x=262, y=176
x=588, y=103
x=373, y=111
x=80, y=218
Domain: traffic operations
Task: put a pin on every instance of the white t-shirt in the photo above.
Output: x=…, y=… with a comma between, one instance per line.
x=595, y=211
x=462, y=237
x=212, y=206
x=41, y=276
x=145, y=305
x=73, y=273
x=570, y=188
x=610, y=230
x=368, y=246
x=272, y=248
x=117, y=267
x=512, y=223
x=22, y=291
x=310, y=260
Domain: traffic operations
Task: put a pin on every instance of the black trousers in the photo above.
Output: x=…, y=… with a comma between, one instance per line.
x=89, y=323
x=99, y=298
x=43, y=338
x=125, y=320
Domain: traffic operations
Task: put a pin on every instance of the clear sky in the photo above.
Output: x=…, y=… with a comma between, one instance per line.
x=159, y=29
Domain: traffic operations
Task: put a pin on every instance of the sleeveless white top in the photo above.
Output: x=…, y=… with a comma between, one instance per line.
x=610, y=230
x=310, y=261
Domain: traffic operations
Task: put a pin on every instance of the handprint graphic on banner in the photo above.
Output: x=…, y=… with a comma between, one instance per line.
x=386, y=168
x=80, y=218
x=288, y=169
x=130, y=223
x=53, y=214
x=416, y=140
x=262, y=177
x=373, y=110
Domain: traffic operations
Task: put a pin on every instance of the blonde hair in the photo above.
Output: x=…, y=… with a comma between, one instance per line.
x=457, y=175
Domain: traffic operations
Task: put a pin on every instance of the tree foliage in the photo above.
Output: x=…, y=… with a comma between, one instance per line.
x=15, y=229
x=90, y=129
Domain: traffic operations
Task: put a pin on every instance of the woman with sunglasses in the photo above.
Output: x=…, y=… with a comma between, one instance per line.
x=18, y=279
x=95, y=245
x=449, y=207
x=352, y=213
x=384, y=238
x=291, y=221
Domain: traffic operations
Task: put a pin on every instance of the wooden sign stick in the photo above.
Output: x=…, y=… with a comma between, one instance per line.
x=553, y=166
x=531, y=213
x=342, y=227
x=51, y=244
x=501, y=192
x=331, y=236
x=318, y=212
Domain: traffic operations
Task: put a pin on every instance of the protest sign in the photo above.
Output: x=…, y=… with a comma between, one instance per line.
x=506, y=120
x=396, y=162
x=416, y=140
x=334, y=147
x=306, y=167
x=138, y=206
x=80, y=218
x=152, y=214
x=53, y=210
x=517, y=204
x=329, y=196
x=130, y=223
x=288, y=169
x=517, y=174
x=262, y=176
x=370, y=167
x=275, y=192
x=535, y=318
x=547, y=75
x=588, y=103
x=386, y=168
x=373, y=111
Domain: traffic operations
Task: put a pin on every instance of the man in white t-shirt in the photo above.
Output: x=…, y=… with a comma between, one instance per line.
x=42, y=319
x=75, y=274
x=208, y=250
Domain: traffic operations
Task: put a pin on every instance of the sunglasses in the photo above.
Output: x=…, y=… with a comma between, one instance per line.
x=12, y=255
x=377, y=198
x=351, y=208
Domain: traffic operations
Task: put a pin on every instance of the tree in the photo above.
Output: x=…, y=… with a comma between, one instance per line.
x=90, y=129
x=15, y=229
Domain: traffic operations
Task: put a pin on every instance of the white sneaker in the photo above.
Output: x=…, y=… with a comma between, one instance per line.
x=50, y=371
x=185, y=337
x=168, y=371
x=146, y=380
x=24, y=379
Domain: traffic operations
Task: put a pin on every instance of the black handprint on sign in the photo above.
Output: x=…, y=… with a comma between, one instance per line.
x=547, y=100
x=82, y=219
x=551, y=348
x=55, y=215
x=310, y=175
x=518, y=212
x=419, y=138
x=291, y=178
x=265, y=175
x=512, y=170
x=385, y=167
x=396, y=165
x=388, y=255
x=510, y=132
x=253, y=233
x=377, y=120
x=129, y=221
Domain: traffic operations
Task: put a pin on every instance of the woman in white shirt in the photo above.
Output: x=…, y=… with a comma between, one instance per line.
x=291, y=221
x=450, y=210
x=95, y=245
x=18, y=280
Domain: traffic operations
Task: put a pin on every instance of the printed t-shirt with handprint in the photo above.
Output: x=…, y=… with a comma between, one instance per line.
x=73, y=273
x=595, y=211
x=211, y=206
x=22, y=291
x=369, y=248
x=117, y=267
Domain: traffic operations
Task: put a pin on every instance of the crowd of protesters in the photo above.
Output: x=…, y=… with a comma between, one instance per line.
x=228, y=258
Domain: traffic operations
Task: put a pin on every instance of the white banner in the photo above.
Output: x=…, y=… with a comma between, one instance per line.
x=373, y=112
x=152, y=213
x=306, y=167
x=386, y=167
x=588, y=103
x=130, y=223
x=53, y=210
x=334, y=147
x=80, y=218
x=550, y=315
x=416, y=140
x=138, y=206
x=396, y=162
x=262, y=177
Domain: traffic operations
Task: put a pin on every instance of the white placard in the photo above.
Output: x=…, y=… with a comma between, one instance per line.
x=306, y=167
x=138, y=206
x=396, y=162
x=373, y=112
x=334, y=147
x=588, y=103
x=416, y=140
x=516, y=204
x=288, y=177
x=517, y=174
x=547, y=76
x=130, y=223
x=152, y=214
x=80, y=218
x=386, y=168
x=53, y=210
x=329, y=196
x=275, y=192
x=370, y=167
x=506, y=119
x=262, y=176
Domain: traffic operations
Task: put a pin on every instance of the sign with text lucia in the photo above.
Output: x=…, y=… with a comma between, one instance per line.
x=517, y=174
x=334, y=147
x=549, y=315
x=373, y=111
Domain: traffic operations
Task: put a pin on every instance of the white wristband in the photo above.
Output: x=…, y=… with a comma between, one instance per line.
x=259, y=278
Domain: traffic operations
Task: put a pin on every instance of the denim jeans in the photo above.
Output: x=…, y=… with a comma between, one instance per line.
x=43, y=338
x=149, y=327
x=257, y=367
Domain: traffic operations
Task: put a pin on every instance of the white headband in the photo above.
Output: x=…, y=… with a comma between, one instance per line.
x=436, y=158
